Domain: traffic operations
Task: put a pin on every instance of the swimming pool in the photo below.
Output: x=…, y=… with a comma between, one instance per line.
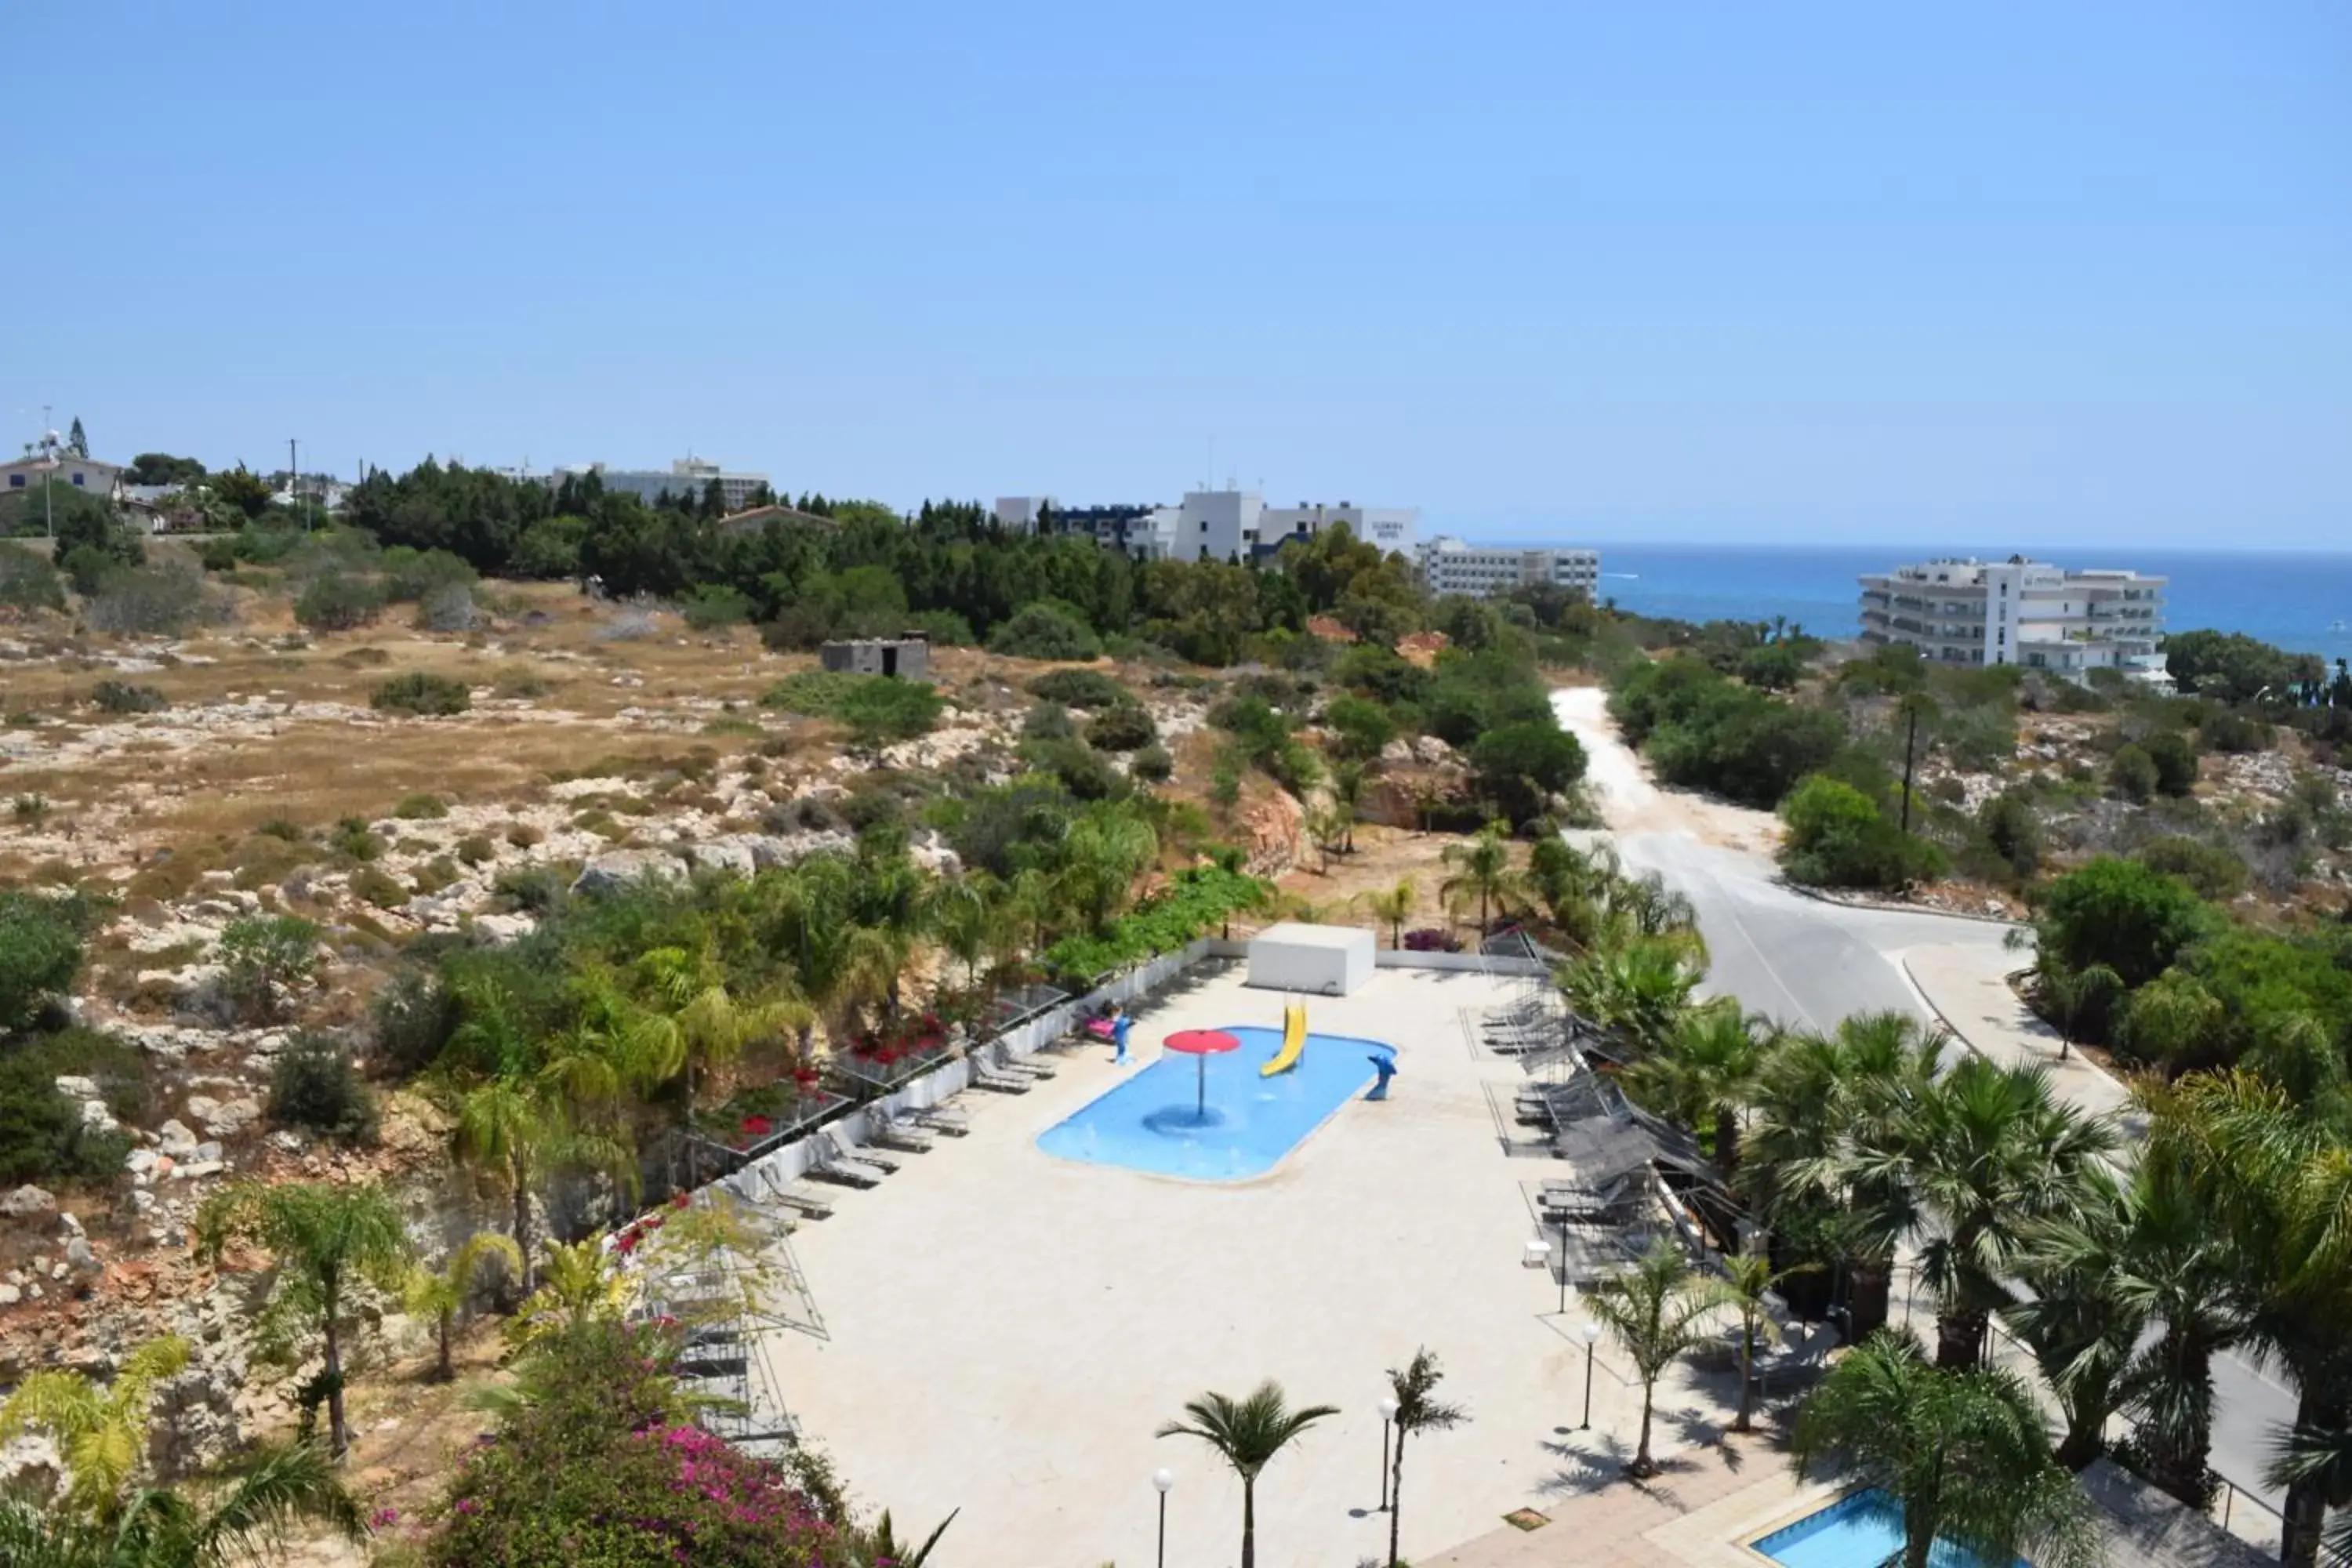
x=1860, y=1530
x=1148, y=1124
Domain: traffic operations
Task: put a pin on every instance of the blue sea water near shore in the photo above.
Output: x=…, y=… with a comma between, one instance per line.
x=2301, y=602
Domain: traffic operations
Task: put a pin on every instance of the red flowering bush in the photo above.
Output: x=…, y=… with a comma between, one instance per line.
x=598, y=1467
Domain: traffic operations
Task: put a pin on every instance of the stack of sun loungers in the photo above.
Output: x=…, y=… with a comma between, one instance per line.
x=886, y=1130
x=1534, y=1023
x=829, y=1161
x=998, y=1070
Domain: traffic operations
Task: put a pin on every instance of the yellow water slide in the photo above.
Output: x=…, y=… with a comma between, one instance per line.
x=1294, y=1040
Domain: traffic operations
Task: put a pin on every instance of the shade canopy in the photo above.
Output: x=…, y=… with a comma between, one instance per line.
x=1201, y=1042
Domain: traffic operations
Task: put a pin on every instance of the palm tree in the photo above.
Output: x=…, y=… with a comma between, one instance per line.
x=1655, y=1310
x=1392, y=906
x=520, y=1135
x=1637, y=990
x=440, y=1294
x=1705, y=1072
x=1106, y=852
x=159, y=1528
x=1962, y=1453
x=2083, y=1319
x=1483, y=871
x=1988, y=1151
x=2320, y=1457
x=1246, y=1434
x=697, y=1024
x=323, y=1237
x=1748, y=1279
x=963, y=910
x=1419, y=1409
x=2073, y=995
x=2276, y=1177
x=100, y=1433
x=580, y=1287
x=1348, y=780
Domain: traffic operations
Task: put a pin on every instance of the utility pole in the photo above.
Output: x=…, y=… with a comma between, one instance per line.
x=1909, y=739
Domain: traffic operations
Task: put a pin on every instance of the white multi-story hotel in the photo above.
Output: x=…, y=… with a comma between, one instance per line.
x=1480, y=571
x=2017, y=611
x=687, y=476
x=1213, y=525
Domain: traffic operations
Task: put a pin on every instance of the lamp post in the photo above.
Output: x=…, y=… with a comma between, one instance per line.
x=1388, y=1415
x=1591, y=1332
x=1161, y=1480
x=1563, y=1265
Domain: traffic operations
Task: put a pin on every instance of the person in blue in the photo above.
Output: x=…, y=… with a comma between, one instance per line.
x=1119, y=1025
x=1385, y=1065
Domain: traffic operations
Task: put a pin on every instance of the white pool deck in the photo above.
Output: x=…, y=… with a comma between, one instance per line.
x=1007, y=1330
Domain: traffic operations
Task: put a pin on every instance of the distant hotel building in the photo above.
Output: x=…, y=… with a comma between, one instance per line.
x=688, y=476
x=2020, y=612
x=1481, y=571
x=1209, y=525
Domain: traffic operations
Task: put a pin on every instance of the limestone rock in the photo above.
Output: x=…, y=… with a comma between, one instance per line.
x=174, y=1141
x=728, y=855
x=76, y=1087
x=224, y=1118
x=28, y=1200
x=616, y=869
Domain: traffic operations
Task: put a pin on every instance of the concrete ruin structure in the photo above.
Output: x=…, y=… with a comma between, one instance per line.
x=908, y=654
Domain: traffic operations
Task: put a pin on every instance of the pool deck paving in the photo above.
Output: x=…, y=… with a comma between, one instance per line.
x=1007, y=1330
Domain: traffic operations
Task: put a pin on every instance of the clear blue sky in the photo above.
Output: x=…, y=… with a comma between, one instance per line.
x=2071, y=272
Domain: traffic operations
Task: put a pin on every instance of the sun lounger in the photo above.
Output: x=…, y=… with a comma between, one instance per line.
x=947, y=1119
x=892, y=1132
x=988, y=1078
x=825, y=1165
x=1005, y=1061
x=815, y=1205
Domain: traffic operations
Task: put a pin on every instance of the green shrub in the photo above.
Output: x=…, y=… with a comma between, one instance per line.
x=1123, y=727
x=2124, y=914
x=1195, y=902
x=1838, y=837
x=476, y=849
x=353, y=836
x=410, y=575
x=712, y=606
x=283, y=828
x=336, y=602
x=548, y=549
x=40, y=952
x=1088, y=689
x=1152, y=764
x=157, y=601
x=379, y=887
x=877, y=709
x=1361, y=727
x=1048, y=722
x=317, y=1087
x=435, y=874
x=2224, y=731
x=31, y=810
x=30, y=581
x=2214, y=870
x=2175, y=760
x=410, y=1019
x=88, y=569
x=523, y=835
x=121, y=696
x=1518, y=765
x=421, y=808
x=2131, y=773
x=1046, y=628
x=2014, y=831
x=265, y=955
x=423, y=694
x=944, y=628
x=42, y=1135
x=534, y=889
x=1085, y=773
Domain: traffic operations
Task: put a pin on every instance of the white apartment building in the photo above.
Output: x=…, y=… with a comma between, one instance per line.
x=688, y=476
x=1449, y=565
x=2021, y=612
x=1213, y=525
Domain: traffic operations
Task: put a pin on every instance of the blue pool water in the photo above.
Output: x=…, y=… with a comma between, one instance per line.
x=1147, y=1122
x=1861, y=1530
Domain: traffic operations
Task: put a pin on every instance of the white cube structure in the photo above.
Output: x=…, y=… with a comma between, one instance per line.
x=1321, y=961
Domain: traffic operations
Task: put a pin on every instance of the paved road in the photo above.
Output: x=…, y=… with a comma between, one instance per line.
x=1809, y=962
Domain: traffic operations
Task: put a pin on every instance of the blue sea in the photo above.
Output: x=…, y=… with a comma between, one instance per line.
x=2299, y=602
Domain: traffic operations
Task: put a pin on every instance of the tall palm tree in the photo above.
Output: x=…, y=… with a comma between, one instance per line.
x=1988, y=1151
x=1246, y=1434
x=1392, y=906
x=440, y=1294
x=2082, y=1318
x=100, y=1433
x=1482, y=871
x=2320, y=1457
x=2277, y=1179
x=324, y=1237
x=1348, y=780
x=160, y=1528
x=1962, y=1453
x=1748, y=1283
x=963, y=910
x=1704, y=1073
x=518, y=1135
x=1655, y=1310
x=1105, y=852
x=696, y=1024
x=1414, y=1386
